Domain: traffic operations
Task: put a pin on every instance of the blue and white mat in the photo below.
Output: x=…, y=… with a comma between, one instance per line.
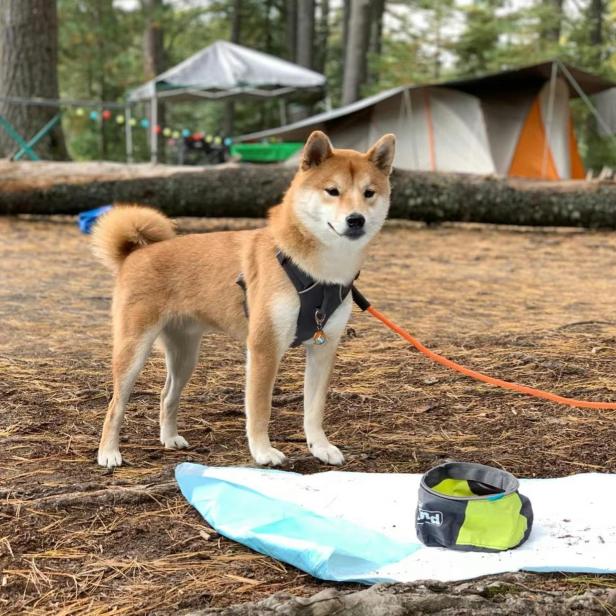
x=360, y=526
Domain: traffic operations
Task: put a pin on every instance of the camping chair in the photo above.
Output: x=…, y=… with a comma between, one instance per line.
x=202, y=151
x=26, y=147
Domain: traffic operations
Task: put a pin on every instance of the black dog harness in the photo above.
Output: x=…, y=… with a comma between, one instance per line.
x=318, y=301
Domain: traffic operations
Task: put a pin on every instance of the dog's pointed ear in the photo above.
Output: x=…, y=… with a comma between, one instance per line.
x=317, y=149
x=382, y=153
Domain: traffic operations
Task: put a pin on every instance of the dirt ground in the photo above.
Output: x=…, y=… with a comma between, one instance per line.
x=533, y=306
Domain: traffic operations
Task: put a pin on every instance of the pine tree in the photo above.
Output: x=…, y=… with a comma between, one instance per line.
x=28, y=68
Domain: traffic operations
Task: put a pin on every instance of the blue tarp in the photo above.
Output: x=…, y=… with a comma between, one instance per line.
x=327, y=548
x=87, y=219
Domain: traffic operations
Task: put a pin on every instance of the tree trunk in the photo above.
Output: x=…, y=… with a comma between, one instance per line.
x=305, y=46
x=305, y=33
x=377, y=10
x=28, y=68
x=322, y=36
x=154, y=61
x=249, y=190
x=552, y=28
x=596, y=12
x=153, y=39
x=105, y=16
x=291, y=29
x=356, y=51
x=596, y=15
x=346, y=17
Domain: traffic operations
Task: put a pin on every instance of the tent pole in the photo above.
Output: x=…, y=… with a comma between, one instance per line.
x=129, y=134
x=406, y=112
x=587, y=101
x=153, y=133
x=548, y=128
x=428, y=114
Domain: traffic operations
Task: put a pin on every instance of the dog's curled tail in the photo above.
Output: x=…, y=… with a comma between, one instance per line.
x=126, y=228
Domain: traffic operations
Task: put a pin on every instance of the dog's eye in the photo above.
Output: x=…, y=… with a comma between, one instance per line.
x=368, y=193
x=332, y=192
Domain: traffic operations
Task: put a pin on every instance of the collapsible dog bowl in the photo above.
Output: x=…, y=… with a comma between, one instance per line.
x=472, y=507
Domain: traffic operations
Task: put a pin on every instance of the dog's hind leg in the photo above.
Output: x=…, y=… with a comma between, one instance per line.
x=130, y=351
x=181, y=344
x=319, y=364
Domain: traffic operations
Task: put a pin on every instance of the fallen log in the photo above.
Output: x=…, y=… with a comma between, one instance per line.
x=249, y=190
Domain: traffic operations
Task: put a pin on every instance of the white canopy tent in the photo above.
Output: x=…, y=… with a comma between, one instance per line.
x=225, y=71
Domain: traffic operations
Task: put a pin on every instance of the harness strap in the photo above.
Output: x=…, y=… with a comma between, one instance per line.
x=318, y=300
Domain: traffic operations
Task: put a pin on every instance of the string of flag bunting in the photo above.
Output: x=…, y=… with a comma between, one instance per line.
x=172, y=133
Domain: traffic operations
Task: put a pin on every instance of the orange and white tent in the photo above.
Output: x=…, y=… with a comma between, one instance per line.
x=515, y=123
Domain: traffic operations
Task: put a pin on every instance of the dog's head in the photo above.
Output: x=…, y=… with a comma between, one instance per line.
x=343, y=195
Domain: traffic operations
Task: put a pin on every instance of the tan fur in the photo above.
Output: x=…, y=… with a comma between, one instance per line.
x=178, y=288
x=126, y=228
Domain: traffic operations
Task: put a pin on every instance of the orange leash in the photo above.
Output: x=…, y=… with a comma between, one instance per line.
x=361, y=301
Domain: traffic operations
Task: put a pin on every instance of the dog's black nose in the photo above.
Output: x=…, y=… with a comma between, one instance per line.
x=355, y=221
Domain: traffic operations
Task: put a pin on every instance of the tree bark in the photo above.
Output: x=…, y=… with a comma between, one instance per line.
x=479, y=598
x=356, y=51
x=322, y=36
x=305, y=33
x=153, y=39
x=304, y=55
x=291, y=29
x=29, y=68
x=249, y=190
x=377, y=11
x=346, y=17
x=105, y=16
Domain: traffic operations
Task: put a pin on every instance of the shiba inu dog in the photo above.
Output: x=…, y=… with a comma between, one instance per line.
x=293, y=277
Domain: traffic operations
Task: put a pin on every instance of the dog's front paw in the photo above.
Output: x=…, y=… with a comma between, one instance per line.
x=174, y=442
x=328, y=453
x=109, y=458
x=268, y=456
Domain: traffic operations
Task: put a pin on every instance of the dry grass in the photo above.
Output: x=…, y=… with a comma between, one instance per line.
x=534, y=306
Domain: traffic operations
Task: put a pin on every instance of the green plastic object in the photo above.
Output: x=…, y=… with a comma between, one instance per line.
x=265, y=152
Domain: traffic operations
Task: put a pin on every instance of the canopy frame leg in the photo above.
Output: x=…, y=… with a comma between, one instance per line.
x=153, y=133
x=128, y=132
